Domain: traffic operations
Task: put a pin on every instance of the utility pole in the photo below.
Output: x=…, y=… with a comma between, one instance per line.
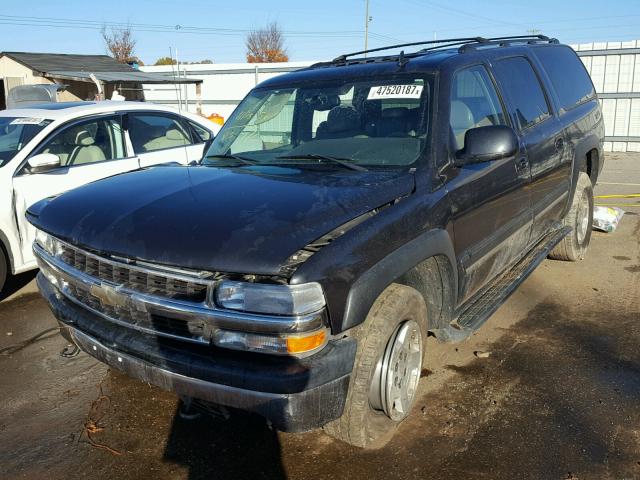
x=367, y=19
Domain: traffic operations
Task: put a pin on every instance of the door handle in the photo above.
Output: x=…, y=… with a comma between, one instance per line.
x=559, y=144
x=523, y=163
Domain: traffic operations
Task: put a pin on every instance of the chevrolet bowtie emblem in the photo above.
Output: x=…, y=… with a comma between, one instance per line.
x=108, y=295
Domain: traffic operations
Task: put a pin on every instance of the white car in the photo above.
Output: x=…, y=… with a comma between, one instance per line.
x=48, y=149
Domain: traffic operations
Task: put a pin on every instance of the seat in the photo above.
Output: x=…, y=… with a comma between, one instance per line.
x=85, y=150
x=461, y=120
x=341, y=122
x=395, y=122
x=172, y=138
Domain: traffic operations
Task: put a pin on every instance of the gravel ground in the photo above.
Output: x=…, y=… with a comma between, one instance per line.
x=549, y=388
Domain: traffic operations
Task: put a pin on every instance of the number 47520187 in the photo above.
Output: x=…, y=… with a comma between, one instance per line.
x=395, y=91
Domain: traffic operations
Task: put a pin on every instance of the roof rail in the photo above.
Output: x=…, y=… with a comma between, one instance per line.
x=506, y=41
x=343, y=58
x=465, y=44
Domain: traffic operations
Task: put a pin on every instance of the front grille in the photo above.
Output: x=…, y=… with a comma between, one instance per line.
x=138, y=319
x=141, y=280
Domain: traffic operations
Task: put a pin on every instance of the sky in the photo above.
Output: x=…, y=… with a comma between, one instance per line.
x=313, y=30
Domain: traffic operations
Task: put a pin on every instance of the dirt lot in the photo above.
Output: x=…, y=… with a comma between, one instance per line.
x=558, y=396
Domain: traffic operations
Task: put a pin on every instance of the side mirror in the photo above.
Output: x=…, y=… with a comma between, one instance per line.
x=43, y=162
x=206, y=147
x=483, y=144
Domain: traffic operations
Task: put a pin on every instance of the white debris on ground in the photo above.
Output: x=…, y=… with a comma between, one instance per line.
x=606, y=219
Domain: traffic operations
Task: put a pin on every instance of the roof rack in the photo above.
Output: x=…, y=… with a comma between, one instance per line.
x=464, y=44
x=507, y=41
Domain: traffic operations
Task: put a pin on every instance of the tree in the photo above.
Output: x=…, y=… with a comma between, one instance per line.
x=266, y=45
x=165, y=61
x=120, y=43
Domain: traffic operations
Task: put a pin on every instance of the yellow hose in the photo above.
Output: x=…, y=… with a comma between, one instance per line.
x=626, y=195
x=637, y=205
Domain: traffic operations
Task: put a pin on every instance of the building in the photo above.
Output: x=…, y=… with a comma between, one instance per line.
x=615, y=70
x=85, y=76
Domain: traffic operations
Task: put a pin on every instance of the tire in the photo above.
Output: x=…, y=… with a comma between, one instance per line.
x=574, y=246
x=3, y=268
x=399, y=313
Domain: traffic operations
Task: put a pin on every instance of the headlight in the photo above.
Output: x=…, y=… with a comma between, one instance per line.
x=270, y=299
x=46, y=241
x=299, y=344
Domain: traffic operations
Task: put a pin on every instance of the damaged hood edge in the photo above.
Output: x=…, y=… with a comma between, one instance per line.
x=218, y=220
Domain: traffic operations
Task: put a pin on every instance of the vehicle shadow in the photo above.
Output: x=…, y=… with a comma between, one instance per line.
x=15, y=283
x=241, y=445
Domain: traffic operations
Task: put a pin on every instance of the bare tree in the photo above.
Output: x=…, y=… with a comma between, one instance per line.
x=266, y=45
x=120, y=43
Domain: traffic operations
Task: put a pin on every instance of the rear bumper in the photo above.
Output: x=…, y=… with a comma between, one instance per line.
x=294, y=394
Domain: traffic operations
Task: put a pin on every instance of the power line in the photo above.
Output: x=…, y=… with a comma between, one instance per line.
x=146, y=27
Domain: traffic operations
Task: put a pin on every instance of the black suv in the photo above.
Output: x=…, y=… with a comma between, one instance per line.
x=343, y=213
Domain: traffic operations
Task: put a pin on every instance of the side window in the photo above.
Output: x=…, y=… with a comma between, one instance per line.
x=474, y=103
x=156, y=132
x=88, y=142
x=523, y=88
x=568, y=76
x=202, y=133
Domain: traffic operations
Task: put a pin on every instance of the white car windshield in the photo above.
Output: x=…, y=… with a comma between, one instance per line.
x=15, y=133
x=380, y=122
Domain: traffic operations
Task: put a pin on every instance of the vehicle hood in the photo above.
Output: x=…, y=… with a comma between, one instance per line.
x=236, y=220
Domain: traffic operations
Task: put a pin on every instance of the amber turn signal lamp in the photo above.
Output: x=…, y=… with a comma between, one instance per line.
x=297, y=345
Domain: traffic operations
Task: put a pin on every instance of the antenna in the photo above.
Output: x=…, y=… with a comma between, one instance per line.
x=175, y=83
x=367, y=19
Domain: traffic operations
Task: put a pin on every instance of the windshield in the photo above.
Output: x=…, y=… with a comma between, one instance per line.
x=363, y=123
x=15, y=133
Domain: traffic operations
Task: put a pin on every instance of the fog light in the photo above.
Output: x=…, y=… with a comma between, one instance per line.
x=275, y=344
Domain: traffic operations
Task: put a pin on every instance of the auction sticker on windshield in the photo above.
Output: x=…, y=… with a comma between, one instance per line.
x=395, y=91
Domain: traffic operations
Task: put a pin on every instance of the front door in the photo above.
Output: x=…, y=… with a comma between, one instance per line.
x=88, y=150
x=490, y=201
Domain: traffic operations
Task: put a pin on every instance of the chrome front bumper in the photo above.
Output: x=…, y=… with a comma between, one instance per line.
x=141, y=311
x=295, y=394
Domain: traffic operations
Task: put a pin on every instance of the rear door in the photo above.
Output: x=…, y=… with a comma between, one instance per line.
x=490, y=200
x=159, y=137
x=88, y=150
x=542, y=139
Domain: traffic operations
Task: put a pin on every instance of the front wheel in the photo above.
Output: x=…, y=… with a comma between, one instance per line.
x=580, y=219
x=386, y=373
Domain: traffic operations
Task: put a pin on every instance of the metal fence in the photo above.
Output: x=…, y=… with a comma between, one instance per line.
x=615, y=70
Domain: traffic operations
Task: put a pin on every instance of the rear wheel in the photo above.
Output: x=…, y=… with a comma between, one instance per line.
x=580, y=219
x=386, y=373
x=3, y=269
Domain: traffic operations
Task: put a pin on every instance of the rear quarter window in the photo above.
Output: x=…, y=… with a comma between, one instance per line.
x=568, y=76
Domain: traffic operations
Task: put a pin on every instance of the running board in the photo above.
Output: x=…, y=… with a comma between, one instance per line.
x=479, y=309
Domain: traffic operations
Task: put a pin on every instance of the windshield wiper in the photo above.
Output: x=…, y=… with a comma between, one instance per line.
x=345, y=162
x=239, y=158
